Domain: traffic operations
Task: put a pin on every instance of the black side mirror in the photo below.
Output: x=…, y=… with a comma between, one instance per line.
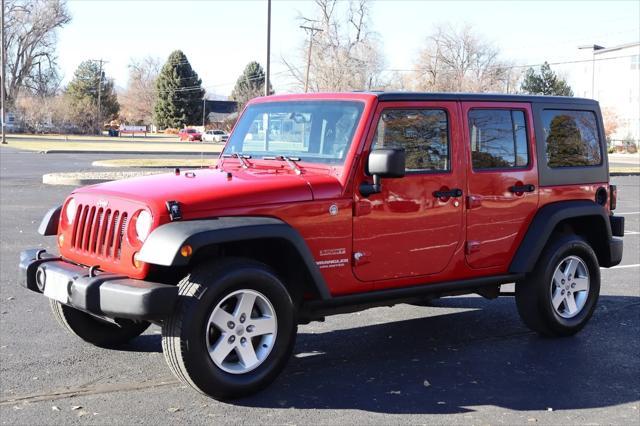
x=383, y=163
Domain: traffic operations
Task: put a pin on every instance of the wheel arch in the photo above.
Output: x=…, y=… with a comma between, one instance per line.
x=265, y=239
x=581, y=217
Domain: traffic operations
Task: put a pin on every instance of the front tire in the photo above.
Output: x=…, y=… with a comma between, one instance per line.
x=233, y=329
x=560, y=295
x=95, y=331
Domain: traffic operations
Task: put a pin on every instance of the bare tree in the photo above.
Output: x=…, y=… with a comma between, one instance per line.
x=30, y=30
x=611, y=121
x=138, y=99
x=458, y=60
x=346, y=54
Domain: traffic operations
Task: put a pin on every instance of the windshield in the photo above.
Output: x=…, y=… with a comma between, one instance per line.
x=314, y=131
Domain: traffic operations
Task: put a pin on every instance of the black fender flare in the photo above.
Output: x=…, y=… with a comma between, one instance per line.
x=162, y=246
x=543, y=224
x=49, y=224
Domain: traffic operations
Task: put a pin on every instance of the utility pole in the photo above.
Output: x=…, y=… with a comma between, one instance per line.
x=312, y=31
x=2, y=94
x=100, y=97
x=268, y=70
x=204, y=109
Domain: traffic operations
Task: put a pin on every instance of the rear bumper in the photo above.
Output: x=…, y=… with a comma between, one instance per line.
x=103, y=294
x=616, y=242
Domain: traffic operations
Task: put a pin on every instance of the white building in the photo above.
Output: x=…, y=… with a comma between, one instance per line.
x=612, y=77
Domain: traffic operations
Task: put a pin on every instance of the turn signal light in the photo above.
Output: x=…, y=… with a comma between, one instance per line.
x=186, y=250
x=136, y=262
x=60, y=240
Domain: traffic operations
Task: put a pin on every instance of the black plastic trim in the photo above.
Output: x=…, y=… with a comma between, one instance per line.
x=617, y=225
x=162, y=246
x=479, y=97
x=399, y=295
x=543, y=224
x=49, y=224
x=106, y=294
x=29, y=262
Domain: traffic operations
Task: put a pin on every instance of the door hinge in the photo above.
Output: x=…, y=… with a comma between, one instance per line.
x=472, y=247
x=473, y=201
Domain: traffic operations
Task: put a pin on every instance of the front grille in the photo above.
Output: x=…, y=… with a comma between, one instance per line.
x=98, y=231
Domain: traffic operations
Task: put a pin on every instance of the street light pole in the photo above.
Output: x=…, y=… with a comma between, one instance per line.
x=268, y=68
x=593, y=48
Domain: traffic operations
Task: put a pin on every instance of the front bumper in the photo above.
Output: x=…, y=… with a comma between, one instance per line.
x=102, y=294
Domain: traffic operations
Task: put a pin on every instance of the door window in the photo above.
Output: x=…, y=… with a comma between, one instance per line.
x=423, y=133
x=498, y=139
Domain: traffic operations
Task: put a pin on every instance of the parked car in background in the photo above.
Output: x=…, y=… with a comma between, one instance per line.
x=189, y=135
x=215, y=136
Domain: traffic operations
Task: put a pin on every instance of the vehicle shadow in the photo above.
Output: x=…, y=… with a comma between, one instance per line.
x=453, y=362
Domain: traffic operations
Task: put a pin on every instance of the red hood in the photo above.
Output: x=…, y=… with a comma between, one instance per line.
x=203, y=190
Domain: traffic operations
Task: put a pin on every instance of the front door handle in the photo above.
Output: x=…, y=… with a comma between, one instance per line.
x=455, y=192
x=522, y=188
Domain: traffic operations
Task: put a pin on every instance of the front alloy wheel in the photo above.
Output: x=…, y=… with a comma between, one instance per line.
x=241, y=331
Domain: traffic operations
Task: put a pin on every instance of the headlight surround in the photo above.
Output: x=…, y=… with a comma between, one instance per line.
x=144, y=221
x=70, y=210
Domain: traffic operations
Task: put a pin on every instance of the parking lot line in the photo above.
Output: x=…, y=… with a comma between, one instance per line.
x=635, y=265
x=626, y=213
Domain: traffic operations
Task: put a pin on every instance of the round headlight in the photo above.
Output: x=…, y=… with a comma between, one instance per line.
x=143, y=225
x=70, y=211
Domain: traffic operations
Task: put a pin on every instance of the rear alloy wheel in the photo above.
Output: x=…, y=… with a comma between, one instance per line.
x=570, y=287
x=233, y=329
x=559, y=296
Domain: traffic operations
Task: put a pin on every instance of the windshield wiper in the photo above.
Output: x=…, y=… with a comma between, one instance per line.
x=241, y=157
x=291, y=162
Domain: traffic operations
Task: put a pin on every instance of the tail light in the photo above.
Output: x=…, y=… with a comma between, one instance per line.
x=613, y=197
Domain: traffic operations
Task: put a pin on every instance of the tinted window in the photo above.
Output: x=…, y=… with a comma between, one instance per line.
x=423, y=133
x=498, y=139
x=571, y=138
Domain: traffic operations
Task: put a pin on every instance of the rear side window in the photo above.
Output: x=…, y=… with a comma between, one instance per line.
x=498, y=139
x=423, y=133
x=571, y=138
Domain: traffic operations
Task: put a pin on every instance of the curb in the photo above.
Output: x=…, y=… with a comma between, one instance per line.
x=624, y=174
x=90, y=178
x=61, y=151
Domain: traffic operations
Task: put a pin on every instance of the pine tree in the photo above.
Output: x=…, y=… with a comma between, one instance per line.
x=249, y=85
x=546, y=82
x=180, y=93
x=83, y=89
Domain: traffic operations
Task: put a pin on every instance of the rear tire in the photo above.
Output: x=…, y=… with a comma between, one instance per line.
x=560, y=295
x=233, y=329
x=95, y=331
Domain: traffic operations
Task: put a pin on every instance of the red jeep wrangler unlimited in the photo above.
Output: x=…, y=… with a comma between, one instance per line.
x=333, y=203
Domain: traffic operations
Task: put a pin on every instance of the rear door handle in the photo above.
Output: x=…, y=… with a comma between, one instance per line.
x=455, y=192
x=522, y=188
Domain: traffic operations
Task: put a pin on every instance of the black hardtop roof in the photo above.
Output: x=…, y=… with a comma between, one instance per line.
x=480, y=97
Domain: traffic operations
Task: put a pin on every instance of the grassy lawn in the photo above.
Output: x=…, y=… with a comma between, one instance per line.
x=110, y=145
x=157, y=162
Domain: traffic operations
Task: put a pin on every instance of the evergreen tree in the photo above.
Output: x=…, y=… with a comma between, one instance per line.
x=83, y=89
x=546, y=82
x=180, y=93
x=249, y=85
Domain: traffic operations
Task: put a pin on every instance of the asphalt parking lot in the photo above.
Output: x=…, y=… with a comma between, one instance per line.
x=465, y=361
